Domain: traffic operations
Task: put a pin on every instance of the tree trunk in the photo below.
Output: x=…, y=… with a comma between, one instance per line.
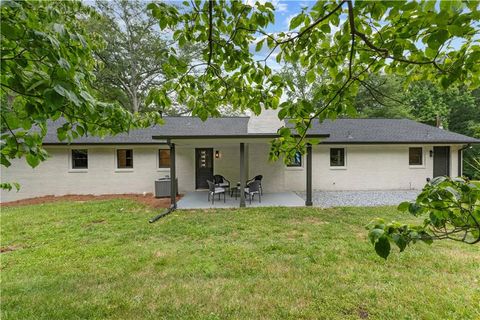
x=135, y=104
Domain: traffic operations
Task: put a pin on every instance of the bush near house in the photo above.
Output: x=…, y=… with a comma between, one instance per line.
x=102, y=259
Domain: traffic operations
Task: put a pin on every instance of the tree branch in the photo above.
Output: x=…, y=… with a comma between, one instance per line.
x=352, y=31
x=210, y=31
x=11, y=132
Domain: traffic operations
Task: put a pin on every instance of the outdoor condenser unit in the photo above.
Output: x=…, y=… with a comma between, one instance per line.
x=162, y=187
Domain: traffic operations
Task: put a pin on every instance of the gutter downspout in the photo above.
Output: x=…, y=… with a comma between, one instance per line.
x=173, y=185
x=163, y=214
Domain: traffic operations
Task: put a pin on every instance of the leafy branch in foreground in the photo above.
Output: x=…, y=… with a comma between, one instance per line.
x=47, y=73
x=345, y=41
x=451, y=207
x=9, y=186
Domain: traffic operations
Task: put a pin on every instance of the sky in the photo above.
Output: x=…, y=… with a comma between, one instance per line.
x=285, y=10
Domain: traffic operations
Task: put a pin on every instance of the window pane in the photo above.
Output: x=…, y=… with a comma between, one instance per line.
x=337, y=157
x=124, y=158
x=415, y=156
x=79, y=159
x=164, y=158
x=296, y=161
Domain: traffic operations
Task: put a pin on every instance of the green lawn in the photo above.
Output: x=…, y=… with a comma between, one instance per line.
x=102, y=260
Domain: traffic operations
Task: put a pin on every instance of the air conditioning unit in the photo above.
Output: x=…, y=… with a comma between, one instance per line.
x=162, y=187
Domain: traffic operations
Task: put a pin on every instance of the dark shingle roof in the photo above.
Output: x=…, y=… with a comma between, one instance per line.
x=349, y=131
x=345, y=131
x=173, y=127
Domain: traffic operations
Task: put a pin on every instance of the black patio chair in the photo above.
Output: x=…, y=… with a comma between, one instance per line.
x=252, y=189
x=259, y=179
x=213, y=190
x=221, y=181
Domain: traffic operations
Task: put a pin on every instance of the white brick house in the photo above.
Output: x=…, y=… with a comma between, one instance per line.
x=354, y=154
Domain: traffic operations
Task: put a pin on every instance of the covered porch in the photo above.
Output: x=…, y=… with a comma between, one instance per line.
x=238, y=159
x=198, y=200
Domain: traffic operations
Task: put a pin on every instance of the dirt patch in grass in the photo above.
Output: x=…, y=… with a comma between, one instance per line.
x=362, y=313
x=9, y=248
x=147, y=199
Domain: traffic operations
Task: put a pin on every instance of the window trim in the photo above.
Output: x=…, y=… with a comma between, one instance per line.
x=416, y=166
x=117, y=169
x=158, y=161
x=344, y=167
x=295, y=166
x=70, y=161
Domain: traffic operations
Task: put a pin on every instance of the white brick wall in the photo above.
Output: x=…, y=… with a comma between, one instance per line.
x=369, y=167
x=55, y=177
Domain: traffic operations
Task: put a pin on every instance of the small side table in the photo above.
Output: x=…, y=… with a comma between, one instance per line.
x=235, y=191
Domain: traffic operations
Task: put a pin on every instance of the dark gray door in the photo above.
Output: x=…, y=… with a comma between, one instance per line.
x=203, y=167
x=441, y=161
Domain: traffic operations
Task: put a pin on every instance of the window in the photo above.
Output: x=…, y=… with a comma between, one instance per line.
x=164, y=158
x=124, y=158
x=79, y=159
x=296, y=160
x=415, y=156
x=337, y=157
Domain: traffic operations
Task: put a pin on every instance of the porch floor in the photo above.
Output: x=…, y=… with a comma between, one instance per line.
x=198, y=200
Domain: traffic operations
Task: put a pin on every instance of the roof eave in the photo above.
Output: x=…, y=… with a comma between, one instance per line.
x=245, y=136
x=401, y=142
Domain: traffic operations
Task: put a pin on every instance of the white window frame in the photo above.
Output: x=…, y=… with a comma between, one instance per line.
x=416, y=166
x=117, y=169
x=70, y=160
x=344, y=167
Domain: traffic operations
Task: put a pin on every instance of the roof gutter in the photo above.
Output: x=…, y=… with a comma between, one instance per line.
x=244, y=136
x=400, y=142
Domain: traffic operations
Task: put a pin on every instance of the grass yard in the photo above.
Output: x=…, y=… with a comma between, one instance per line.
x=102, y=260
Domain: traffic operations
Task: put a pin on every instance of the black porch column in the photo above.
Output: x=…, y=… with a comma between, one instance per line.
x=242, y=175
x=308, y=201
x=173, y=177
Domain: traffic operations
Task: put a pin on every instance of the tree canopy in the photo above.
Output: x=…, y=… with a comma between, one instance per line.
x=48, y=66
x=348, y=40
x=133, y=55
x=47, y=73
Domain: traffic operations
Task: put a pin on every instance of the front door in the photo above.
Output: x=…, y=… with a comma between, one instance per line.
x=441, y=161
x=203, y=167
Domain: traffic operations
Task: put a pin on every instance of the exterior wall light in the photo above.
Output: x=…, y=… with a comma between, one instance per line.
x=217, y=154
x=431, y=153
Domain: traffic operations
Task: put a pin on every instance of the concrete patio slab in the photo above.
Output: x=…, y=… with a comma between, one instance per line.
x=198, y=200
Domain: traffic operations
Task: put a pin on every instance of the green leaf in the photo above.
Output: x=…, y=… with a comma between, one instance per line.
x=296, y=21
x=382, y=247
x=375, y=234
x=438, y=38
x=403, y=206
x=455, y=30
x=325, y=28
x=259, y=45
x=32, y=160
x=311, y=76
x=400, y=242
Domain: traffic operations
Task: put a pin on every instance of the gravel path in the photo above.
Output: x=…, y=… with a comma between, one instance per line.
x=326, y=199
